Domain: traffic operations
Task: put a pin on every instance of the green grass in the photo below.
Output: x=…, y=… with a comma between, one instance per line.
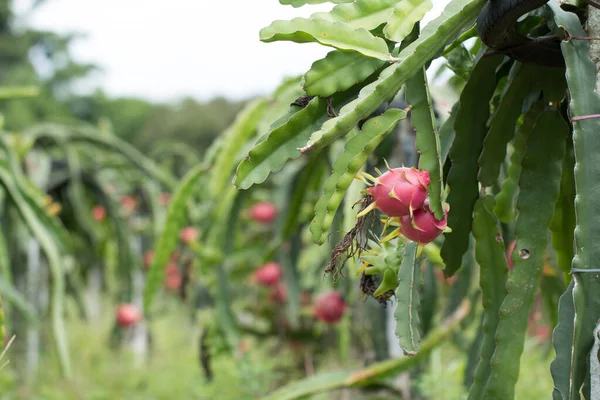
x=174, y=372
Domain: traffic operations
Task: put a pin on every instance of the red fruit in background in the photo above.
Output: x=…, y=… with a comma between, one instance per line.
x=400, y=190
x=128, y=204
x=164, y=198
x=278, y=293
x=423, y=227
x=172, y=269
x=329, y=307
x=173, y=282
x=509, y=251
x=269, y=274
x=188, y=234
x=128, y=315
x=173, y=277
x=99, y=213
x=264, y=212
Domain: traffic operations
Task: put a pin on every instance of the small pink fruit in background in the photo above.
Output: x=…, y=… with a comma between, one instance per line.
x=278, y=293
x=263, y=212
x=173, y=277
x=164, y=198
x=188, y=234
x=269, y=274
x=423, y=227
x=173, y=282
x=400, y=190
x=171, y=269
x=128, y=204
x=329, y=307
x=99, y=213
x=128, y=315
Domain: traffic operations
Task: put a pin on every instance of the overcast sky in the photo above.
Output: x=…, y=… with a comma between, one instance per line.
x=167, y=49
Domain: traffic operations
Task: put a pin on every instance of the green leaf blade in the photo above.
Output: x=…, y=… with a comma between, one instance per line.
x=235, y=137
x=36, y=220
x=337, y=72
x=504, y=120
x=328, y=33
x=506, y=199
x=490, y=255
x=407, y=293
x=427, y=140
x=539, y=189
x=281, y=145
x=564, y=221
x=562, y=339
x=470, y=129
x=404, y=16
x=365, y=14
x=168, y=239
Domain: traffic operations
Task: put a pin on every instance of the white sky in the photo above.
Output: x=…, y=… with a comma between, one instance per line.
x=167, y=49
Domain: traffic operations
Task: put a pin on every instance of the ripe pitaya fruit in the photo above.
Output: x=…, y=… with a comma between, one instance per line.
x=400, y=190
x=173, y=282
x=128, y=204
x=172, y=269
x=329, y=307
x=173, y=278
x=423, y=227
x=188, y=234
x=269, y=274
x=264, y=213
x=99, y=213
x=128, y=315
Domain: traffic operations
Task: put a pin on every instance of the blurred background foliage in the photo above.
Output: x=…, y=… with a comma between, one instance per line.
x=42, y=60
